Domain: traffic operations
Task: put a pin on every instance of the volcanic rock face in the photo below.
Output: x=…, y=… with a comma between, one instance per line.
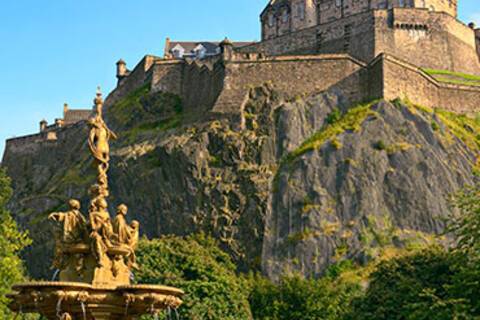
x=295, y=185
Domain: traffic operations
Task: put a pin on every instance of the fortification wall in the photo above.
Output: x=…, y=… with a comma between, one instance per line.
x=294, y=75
x=35, y=143
x=401, y=79
x=139, y=76
x=167, y=75
x=202, y=84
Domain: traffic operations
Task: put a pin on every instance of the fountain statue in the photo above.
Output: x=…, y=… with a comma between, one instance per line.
x=95, y=256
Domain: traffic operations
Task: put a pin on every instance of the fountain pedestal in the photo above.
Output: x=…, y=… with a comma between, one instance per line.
x=95, y=257
x=86, y=302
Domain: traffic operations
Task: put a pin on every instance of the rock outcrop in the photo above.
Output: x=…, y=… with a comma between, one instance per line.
x=294, y=185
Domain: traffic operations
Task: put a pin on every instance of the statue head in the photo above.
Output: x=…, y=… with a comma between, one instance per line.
x=74, y=204
x=101, y=204
x=135, y=225
x=122, y=209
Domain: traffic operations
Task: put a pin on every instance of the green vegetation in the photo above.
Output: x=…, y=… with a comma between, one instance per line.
x=198, y=266
x=140, y=111
x=11, y=243
x=298, y=298
x=350, y=121
x=454, y=77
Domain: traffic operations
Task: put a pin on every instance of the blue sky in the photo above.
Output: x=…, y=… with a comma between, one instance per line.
x=58, y=51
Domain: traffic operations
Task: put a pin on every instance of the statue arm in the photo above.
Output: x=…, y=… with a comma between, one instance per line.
x=56, y=216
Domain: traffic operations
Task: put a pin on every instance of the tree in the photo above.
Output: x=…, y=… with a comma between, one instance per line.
x=11, y=243
x=411, y=287
x=199, y=267
x=465, y=226
x=295, y=297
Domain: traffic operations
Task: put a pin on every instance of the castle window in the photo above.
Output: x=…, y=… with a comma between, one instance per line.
x=401, y=3
x=338, y=3
x=285, y=16
x=301, y=10
x=271, y=20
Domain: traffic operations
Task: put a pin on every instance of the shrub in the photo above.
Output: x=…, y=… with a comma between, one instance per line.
x=199, y=267
x=11, y=243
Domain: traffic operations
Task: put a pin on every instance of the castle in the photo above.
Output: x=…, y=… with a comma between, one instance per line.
x=362, y=49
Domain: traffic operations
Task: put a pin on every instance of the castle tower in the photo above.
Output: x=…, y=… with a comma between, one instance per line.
x=284, y=16
x=43, y=125
x=226, y=48
x=122, y=70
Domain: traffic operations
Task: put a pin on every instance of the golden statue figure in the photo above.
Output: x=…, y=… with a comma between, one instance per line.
x=73, y=223
x=102, y=231
x=72, y=229
x=100, y=134
x=120, y=225
x=127, y=235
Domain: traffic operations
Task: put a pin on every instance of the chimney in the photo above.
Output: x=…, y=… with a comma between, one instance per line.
x=65, y=110
x=166, y=52
x=43, y=125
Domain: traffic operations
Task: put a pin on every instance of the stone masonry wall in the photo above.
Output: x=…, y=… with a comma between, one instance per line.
x=401, y=79
x=139, y=76
x=353, y=35
x=294, y=75
x=428, y=39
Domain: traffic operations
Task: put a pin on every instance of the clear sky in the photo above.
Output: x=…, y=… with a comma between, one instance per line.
x=57, y=51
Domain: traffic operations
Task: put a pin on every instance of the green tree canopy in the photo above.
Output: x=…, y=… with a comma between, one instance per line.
x=295, y=297
x=199, y=267
x=11, y=243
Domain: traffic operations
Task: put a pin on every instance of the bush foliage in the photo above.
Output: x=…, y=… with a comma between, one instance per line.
x=11, y=243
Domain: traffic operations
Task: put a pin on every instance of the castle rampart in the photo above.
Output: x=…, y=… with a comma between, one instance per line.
x=294, y=75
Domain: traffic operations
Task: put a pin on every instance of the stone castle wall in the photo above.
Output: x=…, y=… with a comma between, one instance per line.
x=428, y=39
x=294, y=75
x=221, y=86
x=403, y=80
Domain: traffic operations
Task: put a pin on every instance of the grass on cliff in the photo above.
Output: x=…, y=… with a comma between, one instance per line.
x=454, y=77
x=144, y=112
x=465, y=127
x=350, y=121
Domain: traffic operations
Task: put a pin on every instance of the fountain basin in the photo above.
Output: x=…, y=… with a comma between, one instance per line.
x=86, y=302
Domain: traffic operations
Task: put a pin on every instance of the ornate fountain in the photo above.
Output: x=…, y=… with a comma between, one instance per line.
x=94, y=257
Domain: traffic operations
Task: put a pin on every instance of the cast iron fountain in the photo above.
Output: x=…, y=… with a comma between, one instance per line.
x=95, y=256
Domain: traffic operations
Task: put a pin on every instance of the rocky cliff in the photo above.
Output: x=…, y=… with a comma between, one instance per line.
x=291, y=185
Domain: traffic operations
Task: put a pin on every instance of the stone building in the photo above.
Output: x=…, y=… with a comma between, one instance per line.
x=195, y=49
x=423, y=32
x=281, y=17
x=70, y=116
